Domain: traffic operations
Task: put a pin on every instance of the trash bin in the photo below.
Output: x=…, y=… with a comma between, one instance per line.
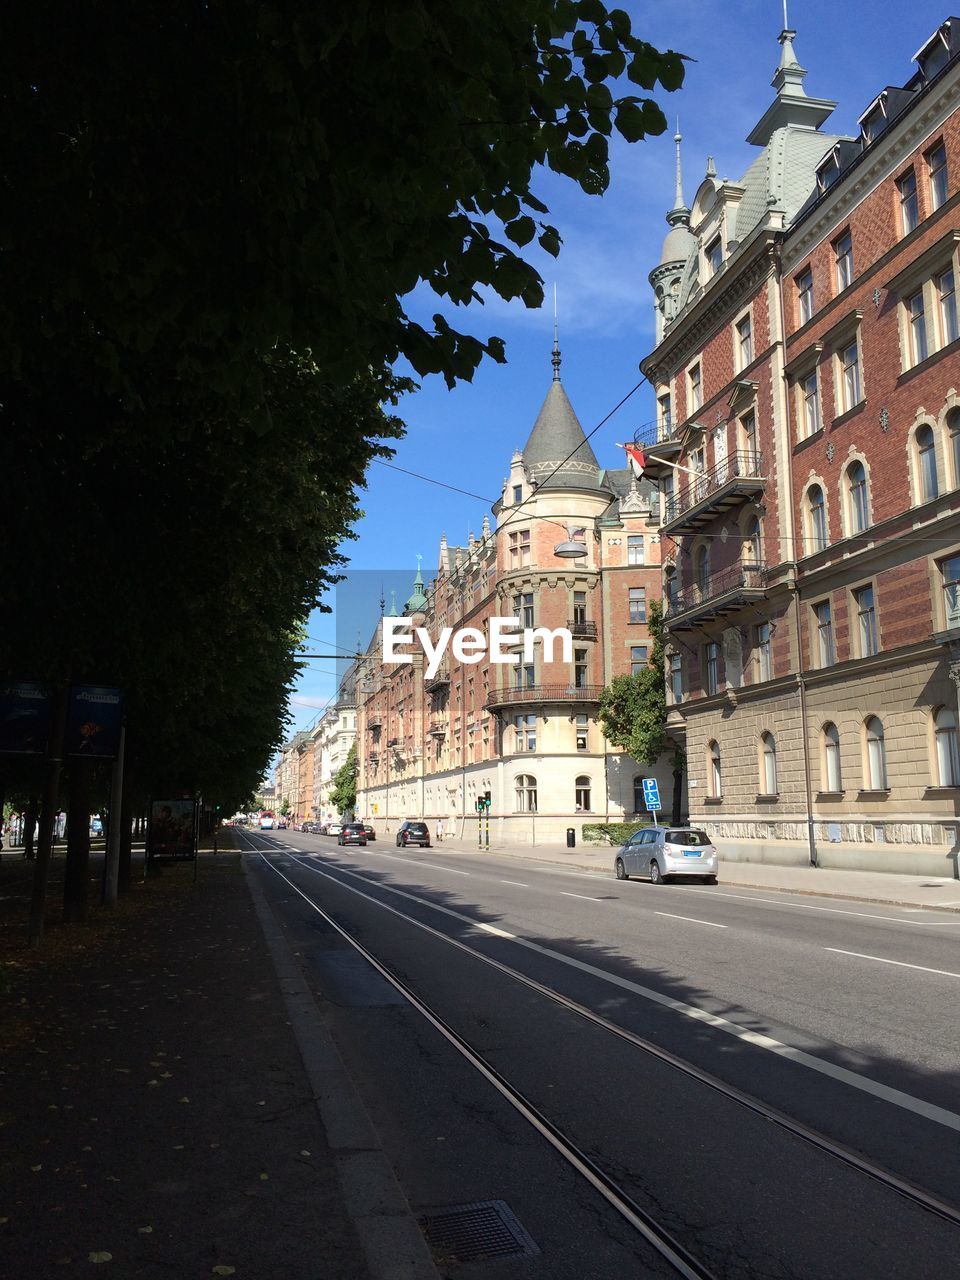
x=571, y=838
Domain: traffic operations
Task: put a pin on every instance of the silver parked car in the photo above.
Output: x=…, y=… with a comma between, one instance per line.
x=661, y=853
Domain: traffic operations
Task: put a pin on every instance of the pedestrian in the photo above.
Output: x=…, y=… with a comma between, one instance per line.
x=439, y=831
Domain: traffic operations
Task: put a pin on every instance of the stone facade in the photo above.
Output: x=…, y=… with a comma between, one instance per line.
x=813, y=616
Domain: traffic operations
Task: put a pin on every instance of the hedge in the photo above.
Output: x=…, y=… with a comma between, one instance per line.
x=611, y=833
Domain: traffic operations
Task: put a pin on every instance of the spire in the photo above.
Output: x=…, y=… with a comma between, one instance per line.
x=555, y=359
x=418, y=602
x=791, y=108
x=678, y=201
x=392, y=611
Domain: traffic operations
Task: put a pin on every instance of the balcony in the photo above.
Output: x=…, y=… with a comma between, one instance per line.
x=737, y=479
x=437, y=729
x=581, y=629
x=541, y=693
x=439, y=680
x=374, y=722
x=722, y=594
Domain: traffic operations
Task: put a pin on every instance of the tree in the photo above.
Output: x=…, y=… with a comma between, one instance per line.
x=343, y=793
x=633, y=711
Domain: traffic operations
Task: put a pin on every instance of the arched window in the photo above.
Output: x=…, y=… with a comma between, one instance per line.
x=948, y=748
x=638, y=804
x=751, y=543
x=858, y=502
x=876, y=755
x=526, y=793
x=926, y=463
x=831, y=759
x=816, y=520
x=768, y=765
x=702, y=569
x=714, y=778
x=583, y=794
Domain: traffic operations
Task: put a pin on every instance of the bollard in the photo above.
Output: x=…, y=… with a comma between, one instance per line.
x=571, y=838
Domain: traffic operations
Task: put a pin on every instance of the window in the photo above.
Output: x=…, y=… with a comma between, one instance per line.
x=843, y=253
x=582, y=787
x=950, y=576
x=953, y=426
x=518, y=493
x=768, y=765
x=519, y=548
x=751, y=543
x=525, y=610
x=635, y=548
x=948, y=749
x=937, y=162
x=748, y=437
x=831, y=759
x=817, y=511
x=579, y=668
x=809, y=389
x=926, y=463
x=638, y=604
x=525, y=676
x=666, y=413
x=583, y=728
x=526, y=793
x=714, y=776
x=947, y=295
x=866, y=611
x=805, y=295
x=638, y=659
x=676, y=677
x=712, y=655
x=825, y=647
x=762, y=647
x=851, y=391
x=858, y=498
x=579, y=608
x=696, y=389
x=639, y=805
x=701, y=570
x=744, y=342
x=714, y=252
x=917, y=326
x=909, y=205
x=876, y=755
x=526, y=727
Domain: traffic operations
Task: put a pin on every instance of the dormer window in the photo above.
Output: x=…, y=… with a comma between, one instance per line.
x=714, y=254
x=935, y=54
x=518, y=493
x=828, y=172
x=872, y=125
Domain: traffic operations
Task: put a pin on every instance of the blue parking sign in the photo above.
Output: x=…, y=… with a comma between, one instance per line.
x=651, y=795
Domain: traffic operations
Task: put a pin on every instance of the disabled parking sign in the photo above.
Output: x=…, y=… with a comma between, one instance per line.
x=651, y=795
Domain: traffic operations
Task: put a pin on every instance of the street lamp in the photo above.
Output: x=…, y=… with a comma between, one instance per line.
x=571, y=549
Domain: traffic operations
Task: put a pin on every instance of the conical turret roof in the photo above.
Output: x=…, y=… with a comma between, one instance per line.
x=557, y=438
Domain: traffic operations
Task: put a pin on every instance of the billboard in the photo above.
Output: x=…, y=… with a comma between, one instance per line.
x=94, y=719
x=172, y=830
x=24, y=717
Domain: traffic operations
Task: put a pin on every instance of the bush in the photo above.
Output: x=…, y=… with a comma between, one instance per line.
x=611, y=833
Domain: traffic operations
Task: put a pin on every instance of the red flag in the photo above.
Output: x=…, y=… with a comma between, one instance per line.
x=636, y=458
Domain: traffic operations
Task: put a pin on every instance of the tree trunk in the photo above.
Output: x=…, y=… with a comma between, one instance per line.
x=76, y=880
x=126, y=842
x=29, y=825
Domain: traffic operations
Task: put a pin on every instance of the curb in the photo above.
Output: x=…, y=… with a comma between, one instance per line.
x=393, y=1244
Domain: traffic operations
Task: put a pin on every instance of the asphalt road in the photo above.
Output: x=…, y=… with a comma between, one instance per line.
x=839, y=1016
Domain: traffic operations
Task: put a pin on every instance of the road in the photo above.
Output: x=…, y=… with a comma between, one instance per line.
x=770, y=1083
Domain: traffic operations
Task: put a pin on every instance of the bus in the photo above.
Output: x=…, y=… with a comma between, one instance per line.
x=266, y=820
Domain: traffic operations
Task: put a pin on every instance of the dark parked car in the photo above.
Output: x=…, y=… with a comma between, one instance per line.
x=371, y=834
x=352, y=833
x=413, y=833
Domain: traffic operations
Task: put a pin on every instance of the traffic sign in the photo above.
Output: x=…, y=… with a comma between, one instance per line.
x=651, y=795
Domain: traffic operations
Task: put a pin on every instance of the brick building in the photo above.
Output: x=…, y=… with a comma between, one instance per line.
x=807, y=373
x=527, y=735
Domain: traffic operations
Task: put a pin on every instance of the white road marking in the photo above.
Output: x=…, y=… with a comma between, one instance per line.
x=417, y=863
x=497, y=933
x=947, y=973
x=585, y=896
x=518, y=883
x=896, y=1097
x=692, y=919
x=806, y=906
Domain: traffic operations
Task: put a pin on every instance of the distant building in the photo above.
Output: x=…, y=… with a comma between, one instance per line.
x=807, y=372
x=527, y=735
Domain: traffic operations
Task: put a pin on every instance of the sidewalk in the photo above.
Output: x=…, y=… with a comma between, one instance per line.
x=862, y=886
x=156, y=1113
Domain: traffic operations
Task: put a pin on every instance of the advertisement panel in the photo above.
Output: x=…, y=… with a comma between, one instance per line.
x=24, y=718
x=172, y=830
x=94, y=720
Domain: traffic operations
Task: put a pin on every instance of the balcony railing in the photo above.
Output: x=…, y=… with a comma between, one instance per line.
x=374, y=723
x=440, y=678
x=581, y=629
x=737, y=477
x=540, y=693
x=437, y=729
x=720, y=594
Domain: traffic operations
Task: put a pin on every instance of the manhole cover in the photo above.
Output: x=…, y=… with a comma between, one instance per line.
x=484, y=1229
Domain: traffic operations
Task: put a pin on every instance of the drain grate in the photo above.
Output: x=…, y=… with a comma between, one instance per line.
x=483, y=1229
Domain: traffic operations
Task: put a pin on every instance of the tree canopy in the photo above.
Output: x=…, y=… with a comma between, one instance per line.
x=633, y=709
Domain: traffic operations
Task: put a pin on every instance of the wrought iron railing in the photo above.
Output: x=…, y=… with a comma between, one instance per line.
x=748, y=576
x=544, y=693
x=581, y=629
x=745, y=464
x=438, y=728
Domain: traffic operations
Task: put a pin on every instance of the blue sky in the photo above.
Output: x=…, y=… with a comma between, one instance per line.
x=465, y=437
